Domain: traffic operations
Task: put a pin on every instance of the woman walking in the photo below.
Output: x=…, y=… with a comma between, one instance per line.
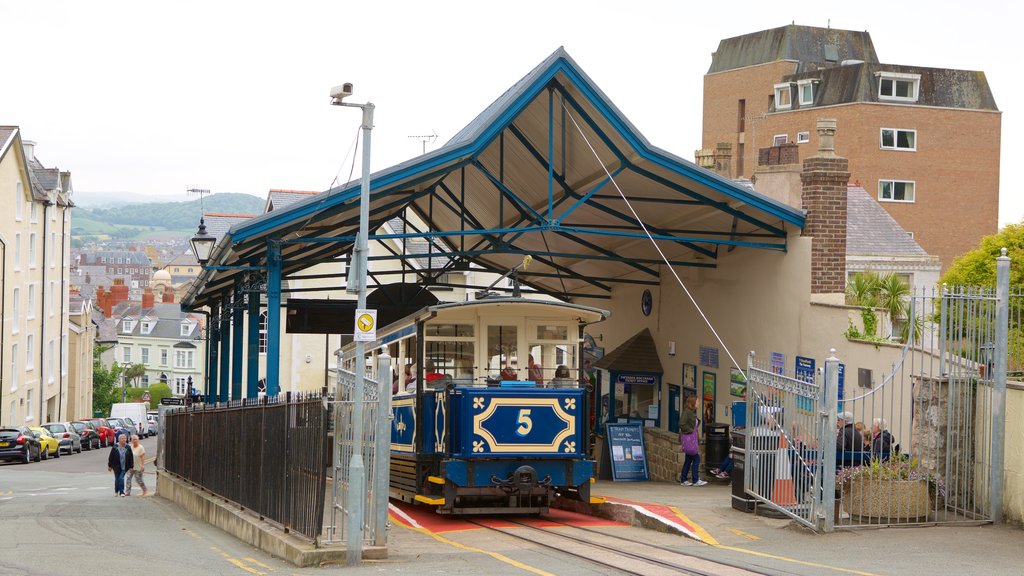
x=688, y=438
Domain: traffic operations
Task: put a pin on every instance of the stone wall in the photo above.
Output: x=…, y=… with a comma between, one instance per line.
x=664, y=459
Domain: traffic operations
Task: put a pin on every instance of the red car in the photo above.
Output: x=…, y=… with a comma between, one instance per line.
x=105, y=431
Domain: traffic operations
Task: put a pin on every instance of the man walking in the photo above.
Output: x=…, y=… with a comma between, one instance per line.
x=119, y=461
x=135, y=472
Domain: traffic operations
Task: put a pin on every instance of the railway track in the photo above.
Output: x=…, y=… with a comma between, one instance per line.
x=626, y=555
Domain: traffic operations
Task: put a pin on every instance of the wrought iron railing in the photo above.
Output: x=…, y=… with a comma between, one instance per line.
x=269, y=455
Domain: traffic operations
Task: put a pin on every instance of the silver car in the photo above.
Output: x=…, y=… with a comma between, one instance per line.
x=65, y=433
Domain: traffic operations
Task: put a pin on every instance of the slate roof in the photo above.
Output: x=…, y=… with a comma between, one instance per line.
x=638, y=354
x=810, y=46
x=871, y=230
x=6, y=136
x=184, y=259
x=131, y=258
x=218, y=224
x=278, y=199
x=168, y=318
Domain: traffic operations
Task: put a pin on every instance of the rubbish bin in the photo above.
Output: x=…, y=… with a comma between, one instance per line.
x=716, y=445
x=740, y=500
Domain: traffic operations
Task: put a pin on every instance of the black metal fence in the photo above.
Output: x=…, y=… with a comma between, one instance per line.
x=269, y=455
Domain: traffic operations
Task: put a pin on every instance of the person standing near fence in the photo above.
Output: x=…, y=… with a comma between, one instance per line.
x=135, y=472
x=690, y=442
x=119, y=461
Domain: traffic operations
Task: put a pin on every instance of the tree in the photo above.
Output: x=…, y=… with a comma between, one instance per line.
x=132, y=374
x=104, y=381
x=978, y=267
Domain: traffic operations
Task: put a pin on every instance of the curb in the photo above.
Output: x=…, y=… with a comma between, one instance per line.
x=241, y=524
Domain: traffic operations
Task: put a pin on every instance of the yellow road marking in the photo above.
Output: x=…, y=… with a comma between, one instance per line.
x=495, y=555
x=744, y=534
x=697, y=529
x=238, y=563
x=795, y=561
x=258, y=563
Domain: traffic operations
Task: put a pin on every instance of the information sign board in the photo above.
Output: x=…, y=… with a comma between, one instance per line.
x=627, y=453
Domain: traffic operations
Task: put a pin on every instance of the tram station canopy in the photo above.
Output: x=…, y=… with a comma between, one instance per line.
x=539, y=172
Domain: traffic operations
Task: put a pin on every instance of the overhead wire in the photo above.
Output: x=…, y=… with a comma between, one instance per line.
x=656, y=247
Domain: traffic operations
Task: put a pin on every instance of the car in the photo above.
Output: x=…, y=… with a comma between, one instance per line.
x=153, y=425
x=120, y=427
x=90, y=437
x=19, y=444
x=49, y=445
x=65, y=433
x=105, y=431
x=136, y=427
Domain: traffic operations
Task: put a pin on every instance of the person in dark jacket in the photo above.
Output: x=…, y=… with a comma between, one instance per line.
x=882, y=441
x=120, y=461
x=848, y=439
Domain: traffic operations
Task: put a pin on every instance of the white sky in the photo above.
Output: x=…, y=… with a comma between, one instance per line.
x=152, y=98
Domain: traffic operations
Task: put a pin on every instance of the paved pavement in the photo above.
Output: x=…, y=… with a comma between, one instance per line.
x=784, y=547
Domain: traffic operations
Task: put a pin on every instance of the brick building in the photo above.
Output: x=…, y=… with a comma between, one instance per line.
x=923, y=141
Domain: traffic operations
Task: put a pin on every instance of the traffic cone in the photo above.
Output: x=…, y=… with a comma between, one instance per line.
x=782, y=490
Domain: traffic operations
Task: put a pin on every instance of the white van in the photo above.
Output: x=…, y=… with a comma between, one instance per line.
x=134, y=410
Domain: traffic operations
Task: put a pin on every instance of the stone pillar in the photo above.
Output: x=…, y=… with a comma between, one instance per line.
x=824, y=179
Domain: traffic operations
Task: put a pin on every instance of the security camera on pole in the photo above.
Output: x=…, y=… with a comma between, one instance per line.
x=357, y=470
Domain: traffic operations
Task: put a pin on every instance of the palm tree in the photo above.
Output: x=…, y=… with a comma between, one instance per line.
x=894, y=297
x=862, y=289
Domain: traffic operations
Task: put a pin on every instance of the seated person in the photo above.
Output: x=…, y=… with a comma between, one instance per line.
x=882, y=441
x=724, y=469
x=433, y=378
x=509, y=373
x=536, y=372
x=562, y=379
x=410, y=378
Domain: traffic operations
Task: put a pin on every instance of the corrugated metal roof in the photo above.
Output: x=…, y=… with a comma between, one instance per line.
x=488, y=197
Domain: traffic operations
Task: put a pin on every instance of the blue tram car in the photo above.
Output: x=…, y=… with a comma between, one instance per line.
x=489, y=415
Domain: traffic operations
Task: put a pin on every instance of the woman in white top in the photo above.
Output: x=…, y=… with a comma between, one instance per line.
x=139, y=457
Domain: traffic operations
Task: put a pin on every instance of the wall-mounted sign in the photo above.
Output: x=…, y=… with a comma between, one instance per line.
x=709, y=356
x=366, y=325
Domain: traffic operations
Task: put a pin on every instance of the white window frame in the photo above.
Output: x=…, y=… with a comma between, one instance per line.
x=186, y=328
x=163, y=357
x=914, y=79
x=800, y=85
x=913, y=191
x=28, y=405
x=896, y=139
x=53, y=240
x=803, y=137
x=34, y=213
x=17, y=251
x=145, y=355
x=184, y=358
x=51, y=298
x=780, y=139
x=19, y=202
x=126, y=355
x=779, y=90
x=145, y=380
x=16, y=309
x=30, y=341
x=30, y=312
x=64, y=355
x=14, y=367
x=50, y=358
x=262, y=342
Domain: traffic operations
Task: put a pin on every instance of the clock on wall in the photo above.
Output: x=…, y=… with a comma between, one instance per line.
x=646, y=302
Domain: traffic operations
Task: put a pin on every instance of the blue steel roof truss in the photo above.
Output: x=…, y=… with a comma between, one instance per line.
x=576, y=206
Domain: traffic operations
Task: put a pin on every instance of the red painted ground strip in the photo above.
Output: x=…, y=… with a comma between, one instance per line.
x=662, y=513
x=424, y=517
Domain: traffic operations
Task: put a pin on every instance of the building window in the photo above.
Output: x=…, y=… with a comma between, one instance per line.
x=17, y=251
x=15, y=307
x=899, y=139
x=127, y=326
x=30, y=356
x=783, y=97
x=806, y=90
x=803, y=137
x=183, y=358
x=895, y=191
x=145, y=380
x=31, y=312
x=263, y=332
x=741, y=122
x=51, y=298
x=19, y=201
x=63, y=355
x=779, y=139
x=163, y=357
x=186, y=328
x=28, y=406
x=35, y=213
x=14, y=367
x=896, y=86
x=32, y=249
x=180, y=385
x=50, y=357
x=53, y=240
x=145, y=355
x=126, y=355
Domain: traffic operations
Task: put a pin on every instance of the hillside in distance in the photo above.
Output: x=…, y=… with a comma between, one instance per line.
x=144, y=219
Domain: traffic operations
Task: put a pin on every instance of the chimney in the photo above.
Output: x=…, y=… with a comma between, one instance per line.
x=718, y=160
x=168, y=295
x=824, y=178
x=118, y=292
x=147, y=298
x=103, y=301
x=29, y=146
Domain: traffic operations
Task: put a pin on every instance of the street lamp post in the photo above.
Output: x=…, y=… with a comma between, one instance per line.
x=357, y=470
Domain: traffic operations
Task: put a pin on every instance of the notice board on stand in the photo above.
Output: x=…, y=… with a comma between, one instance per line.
x=627, y=454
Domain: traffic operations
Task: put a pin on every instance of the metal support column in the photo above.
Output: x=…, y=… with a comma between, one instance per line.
x=225, y=350
x=237, y=349
x=253, y=349
x=827, y=413
x=213, y=348
x=273, y=318
x=382, y=451
x=999, y=385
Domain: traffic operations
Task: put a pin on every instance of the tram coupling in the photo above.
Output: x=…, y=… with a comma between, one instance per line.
x=523, y=479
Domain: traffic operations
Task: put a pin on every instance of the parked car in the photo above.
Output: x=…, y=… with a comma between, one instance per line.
x=19, y=444
x=120, y=427
x=49, y=445
x=69, y=438
x=90, y=437
x=135, y=427
x=153, y=426
x=106, y=432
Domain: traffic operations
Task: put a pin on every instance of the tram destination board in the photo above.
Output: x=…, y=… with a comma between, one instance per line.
x=628, y=455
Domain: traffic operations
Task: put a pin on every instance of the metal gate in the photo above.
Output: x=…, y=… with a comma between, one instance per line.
x=914, y=446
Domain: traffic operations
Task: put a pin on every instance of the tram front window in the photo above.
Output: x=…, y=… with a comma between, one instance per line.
x=503, y=352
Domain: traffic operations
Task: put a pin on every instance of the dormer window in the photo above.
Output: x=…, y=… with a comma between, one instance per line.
x=146, y=327
x=805, y=88
x=783, y=96
x=127, y=325
x=897, y=86
x=186, y=328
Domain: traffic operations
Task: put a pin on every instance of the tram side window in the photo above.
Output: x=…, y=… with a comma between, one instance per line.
x=502, y=352
x=554, y=365
x=448, y=361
